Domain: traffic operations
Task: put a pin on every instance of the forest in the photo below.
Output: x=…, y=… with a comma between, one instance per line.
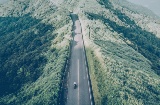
x=23, y=39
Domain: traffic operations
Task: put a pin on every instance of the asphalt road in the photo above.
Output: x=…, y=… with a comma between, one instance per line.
x=78, y=69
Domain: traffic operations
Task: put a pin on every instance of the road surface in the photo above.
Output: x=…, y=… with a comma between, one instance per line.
x=78, y=69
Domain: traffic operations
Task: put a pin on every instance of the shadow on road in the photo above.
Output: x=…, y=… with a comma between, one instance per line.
x=63, y=98
x=74, y=17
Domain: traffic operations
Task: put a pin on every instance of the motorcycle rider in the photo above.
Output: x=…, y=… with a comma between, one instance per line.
x=75, y=84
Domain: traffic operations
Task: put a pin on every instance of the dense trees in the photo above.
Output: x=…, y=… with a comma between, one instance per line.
x=22, y=40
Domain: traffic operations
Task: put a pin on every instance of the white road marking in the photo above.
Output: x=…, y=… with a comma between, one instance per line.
x=77, y=36
x=85, y=63
x=90, y=97
x=91, y=103
x=78, y=81
x=89, y=87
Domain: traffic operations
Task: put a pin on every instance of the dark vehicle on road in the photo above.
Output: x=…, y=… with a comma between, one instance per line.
x=74, y=85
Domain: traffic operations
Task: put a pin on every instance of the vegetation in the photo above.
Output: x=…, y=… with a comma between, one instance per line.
x=21, y=50
x=123, y=56
x=32, y=56
x=145, y=42
x=95, y=67
x=127, y=64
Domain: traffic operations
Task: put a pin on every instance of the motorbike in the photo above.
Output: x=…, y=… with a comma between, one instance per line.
x=74, y=85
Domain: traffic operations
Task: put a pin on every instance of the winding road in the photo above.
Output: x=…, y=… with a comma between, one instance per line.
x=78, y=69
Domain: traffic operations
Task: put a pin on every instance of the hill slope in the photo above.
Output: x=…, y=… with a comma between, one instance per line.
x=122, y=46
x=123, y=49
x=32, y=58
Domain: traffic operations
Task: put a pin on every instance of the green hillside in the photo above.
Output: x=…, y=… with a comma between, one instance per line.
x=123, y=54
x=32, y=58
x=122, y=47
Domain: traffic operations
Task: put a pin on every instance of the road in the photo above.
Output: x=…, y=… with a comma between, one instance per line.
x=78, y=69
